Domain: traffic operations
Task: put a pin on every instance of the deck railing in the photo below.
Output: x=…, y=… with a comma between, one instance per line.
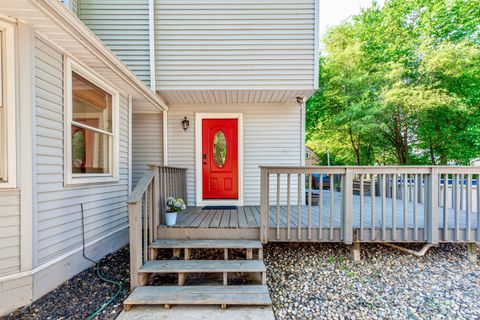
x=360, y=204
x=146, y=210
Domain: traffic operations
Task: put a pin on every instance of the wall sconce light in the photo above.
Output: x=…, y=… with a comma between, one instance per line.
x=185, y=124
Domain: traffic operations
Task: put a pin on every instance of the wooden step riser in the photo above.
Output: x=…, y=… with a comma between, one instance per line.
x=205, y=244
x=208, y=234
x=200, y=295
x=202, y=266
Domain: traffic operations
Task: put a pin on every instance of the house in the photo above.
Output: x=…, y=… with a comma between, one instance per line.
x=94, y=91
x=108, y=107
x=311, y=158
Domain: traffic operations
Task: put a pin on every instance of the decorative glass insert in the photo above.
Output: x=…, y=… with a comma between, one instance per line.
x=219, y=149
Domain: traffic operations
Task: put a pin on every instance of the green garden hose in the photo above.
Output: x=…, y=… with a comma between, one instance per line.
x=97, y=268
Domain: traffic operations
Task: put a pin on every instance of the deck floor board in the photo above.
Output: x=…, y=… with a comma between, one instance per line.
x=249, y=216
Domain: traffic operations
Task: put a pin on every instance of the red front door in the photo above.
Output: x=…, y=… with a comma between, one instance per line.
x=220, y=158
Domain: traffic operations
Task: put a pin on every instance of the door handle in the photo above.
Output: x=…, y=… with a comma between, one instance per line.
x=204, y=158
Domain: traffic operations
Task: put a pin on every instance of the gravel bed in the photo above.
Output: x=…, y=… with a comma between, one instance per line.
x=82, y=295
x=306, y=281
x=319, y=281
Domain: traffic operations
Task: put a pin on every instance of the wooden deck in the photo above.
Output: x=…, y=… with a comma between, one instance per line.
x=247, y=218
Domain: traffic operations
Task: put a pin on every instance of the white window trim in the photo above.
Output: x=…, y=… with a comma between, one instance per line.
x=9, y=99
x=198, y=159
x=76, y=179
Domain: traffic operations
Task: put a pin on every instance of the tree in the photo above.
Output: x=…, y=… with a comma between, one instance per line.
x=401, y=84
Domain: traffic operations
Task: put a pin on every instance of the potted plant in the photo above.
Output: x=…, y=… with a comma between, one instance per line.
x=173, y=207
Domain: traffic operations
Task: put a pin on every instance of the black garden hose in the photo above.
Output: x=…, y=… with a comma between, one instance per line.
x=99, y=274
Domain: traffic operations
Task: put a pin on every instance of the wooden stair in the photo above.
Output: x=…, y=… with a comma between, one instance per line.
x=202, y=294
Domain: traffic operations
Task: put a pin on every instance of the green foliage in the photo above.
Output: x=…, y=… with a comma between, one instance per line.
x=400, y=84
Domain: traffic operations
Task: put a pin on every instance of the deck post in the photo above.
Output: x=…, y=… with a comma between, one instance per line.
x=432, y=209
x=355, y=248
x=135, y=220
x=264, y=199
x=347, y=206
x=156, y=202
x=472, y=252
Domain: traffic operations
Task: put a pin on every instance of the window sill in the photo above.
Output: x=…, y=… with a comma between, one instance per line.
x=89, y=180
x=7, y=186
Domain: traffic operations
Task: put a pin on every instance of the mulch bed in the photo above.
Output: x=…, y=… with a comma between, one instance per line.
x=83, y=294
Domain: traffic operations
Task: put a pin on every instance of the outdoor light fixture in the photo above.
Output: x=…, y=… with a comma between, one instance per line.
x=185, y=124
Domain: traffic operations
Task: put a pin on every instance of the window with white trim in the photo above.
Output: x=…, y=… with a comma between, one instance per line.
x=91, y=127
x=7, y=107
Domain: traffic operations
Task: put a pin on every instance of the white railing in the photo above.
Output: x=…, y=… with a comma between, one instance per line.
x=146, y=210
x=355, y=204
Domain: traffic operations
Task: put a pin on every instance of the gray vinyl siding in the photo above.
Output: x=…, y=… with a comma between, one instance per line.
x=147, y=137
x=124, y=27
x=271, y=136
x=9, y=232
x=59, y=215
x=235, y=44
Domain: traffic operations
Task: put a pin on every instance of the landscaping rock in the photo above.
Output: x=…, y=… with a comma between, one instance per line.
x=320, y=281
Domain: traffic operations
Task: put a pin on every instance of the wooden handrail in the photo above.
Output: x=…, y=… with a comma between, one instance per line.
x=146, y=208
x=141, y=186
x=375, y=196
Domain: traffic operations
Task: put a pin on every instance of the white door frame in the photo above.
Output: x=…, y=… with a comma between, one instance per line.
x=199, y=116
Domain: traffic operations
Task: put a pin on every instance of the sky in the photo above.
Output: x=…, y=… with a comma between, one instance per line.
x=333, y=12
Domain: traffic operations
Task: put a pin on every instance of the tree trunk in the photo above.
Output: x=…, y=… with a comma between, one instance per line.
x=443, y=159
x=432, y=154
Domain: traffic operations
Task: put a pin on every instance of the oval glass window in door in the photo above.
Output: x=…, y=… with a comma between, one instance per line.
x=219, y=149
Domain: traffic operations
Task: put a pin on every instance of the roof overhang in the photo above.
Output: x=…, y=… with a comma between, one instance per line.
x=60, y=26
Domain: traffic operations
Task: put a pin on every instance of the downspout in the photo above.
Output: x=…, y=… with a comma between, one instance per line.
x=301, y=103
x=130, y=148
x=151, y=40
x=165, y=138
x=153, y=78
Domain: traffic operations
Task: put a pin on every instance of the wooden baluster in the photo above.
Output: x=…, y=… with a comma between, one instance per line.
x=309, y=207
x=362, y=203
x=384, y=208
x=457, y=208
x=373, y=209
x=415, y=207
x=468, y=205
x=405, y=207
x=462, y=183
x=394, y=207
x=265, y=203
x=145, y=227
x=478, y=207
x=320, y=208
x=288, y=206
x=332, y=188
x=445, y=207
x=342, y=207
x=299, y=207
x=425, y=207
x=278, y=207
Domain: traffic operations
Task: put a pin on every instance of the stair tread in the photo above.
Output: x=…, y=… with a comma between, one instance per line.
x=174, y=266
x=206, y=244
x=238, y=295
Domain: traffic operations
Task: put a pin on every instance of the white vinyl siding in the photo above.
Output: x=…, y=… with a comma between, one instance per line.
x=59, y=215
x=124, y=27
x=9, y=232
x=147, y=143
x=235, y=44
x=271, y=137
